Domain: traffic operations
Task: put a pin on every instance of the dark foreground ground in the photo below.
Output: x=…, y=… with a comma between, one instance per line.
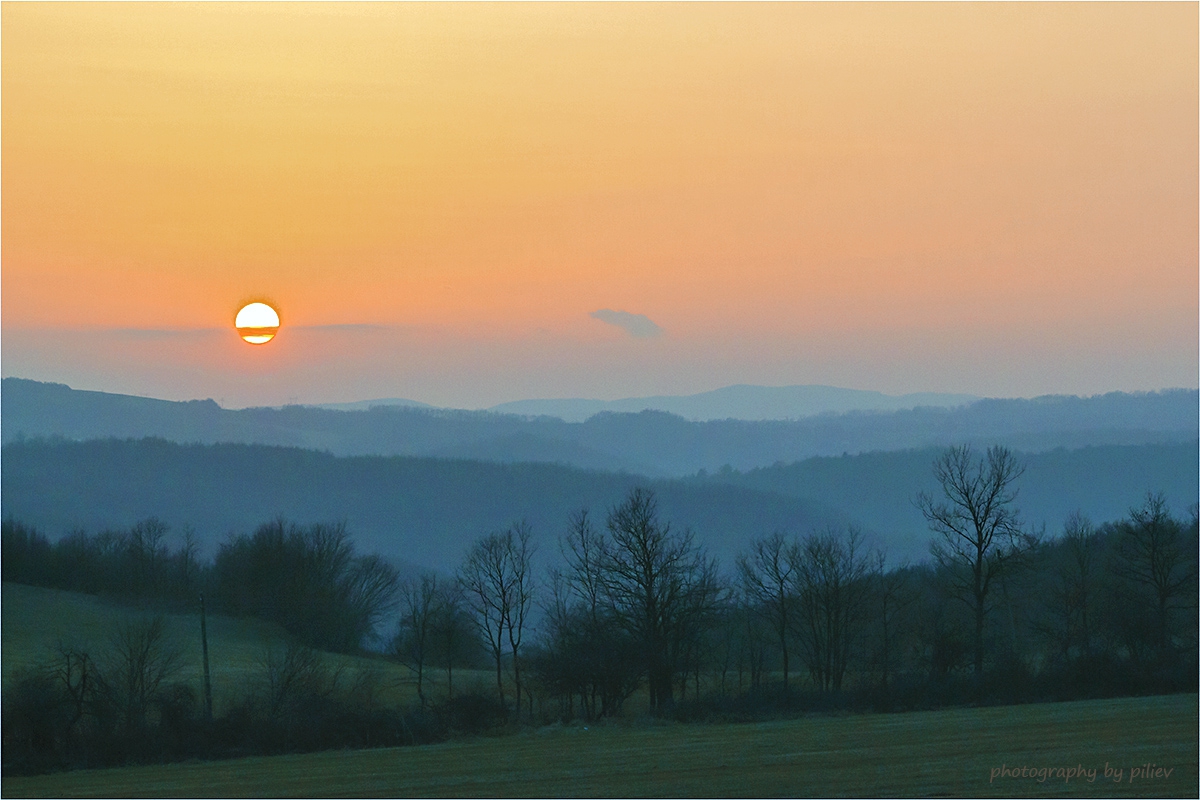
x=1139, y=747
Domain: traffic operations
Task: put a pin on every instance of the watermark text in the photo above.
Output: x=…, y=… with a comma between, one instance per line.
x=1140, y=773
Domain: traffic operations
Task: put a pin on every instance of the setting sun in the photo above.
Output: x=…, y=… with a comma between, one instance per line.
x=257, y=323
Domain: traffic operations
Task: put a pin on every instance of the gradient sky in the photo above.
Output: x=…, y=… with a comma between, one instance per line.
x=466, y=204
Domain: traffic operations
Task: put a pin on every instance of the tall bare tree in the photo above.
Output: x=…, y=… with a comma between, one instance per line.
x=768, y=583
x=584, y=549
x=487, y=589
x=1151, y=559
x=415, y=630
x=891, y=596
x=658, y=585
x=586, y=652
x=451, y=630
x=1073, y=589
x=370, y=593
x=979, y=532
x=519, y=555
x=142, y=658
x=832, y=590
x=497, y=581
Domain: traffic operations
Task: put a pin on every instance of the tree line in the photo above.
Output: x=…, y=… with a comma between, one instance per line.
x=1002, y=612
x=637, y=608
x=308, y=579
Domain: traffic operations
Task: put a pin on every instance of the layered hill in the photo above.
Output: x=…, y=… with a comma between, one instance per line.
x=652, y=443
x=427, y=511
x=419, y=510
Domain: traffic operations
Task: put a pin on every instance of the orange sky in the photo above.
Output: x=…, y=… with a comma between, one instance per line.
x=996, y=198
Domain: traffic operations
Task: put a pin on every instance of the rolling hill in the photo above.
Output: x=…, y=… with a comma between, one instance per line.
x=426, y=511
x=652, y=443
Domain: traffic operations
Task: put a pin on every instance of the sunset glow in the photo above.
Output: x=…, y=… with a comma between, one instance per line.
x=990, y=198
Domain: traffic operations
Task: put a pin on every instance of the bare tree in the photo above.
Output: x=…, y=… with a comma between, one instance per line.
x=370, y=587
x=658, y=585
x=832, y=589
x=584, y=549
x=188, y=563
x=891, y=597
x=1074, y=586
x=768, y=583
x=294, y=678
x=414, y=636
x=585, y=652
x=76, y=672
x=451, y=630
x=147, y=554
x=142, y=659
x=1151, y=560
x=978, y=529
x=486, y=587
x=519, y=554
x=498, y=583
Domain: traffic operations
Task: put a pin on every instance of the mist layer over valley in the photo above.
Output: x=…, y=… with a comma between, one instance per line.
x=418, y=485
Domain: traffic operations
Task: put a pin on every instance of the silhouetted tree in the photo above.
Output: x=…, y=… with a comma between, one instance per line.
x=498, y=585
x=657, y=585
x=519, y=556
x=584, y=653
x=369, y=589
x=293, y=677
x=1074, y=586
x=485, y=587
x=1152, y=564
x=146, y=556
x=890, y=597
x=768, y=575
x=142, y=659
x=415, y=631
x=831, y=572
x=309, y=580
x=584, y=656
x=452, y=631
x=979, y=534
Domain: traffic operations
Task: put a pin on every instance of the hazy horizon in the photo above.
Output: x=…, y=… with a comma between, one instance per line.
x=615, y=399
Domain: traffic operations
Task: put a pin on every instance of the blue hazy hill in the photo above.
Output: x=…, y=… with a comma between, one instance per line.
x=649, y=442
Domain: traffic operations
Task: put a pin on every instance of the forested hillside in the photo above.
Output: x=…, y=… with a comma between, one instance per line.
x=877, y=489
x=425, y=511
x=420, y=510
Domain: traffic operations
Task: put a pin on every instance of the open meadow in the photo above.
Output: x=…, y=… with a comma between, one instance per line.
x=959, y=752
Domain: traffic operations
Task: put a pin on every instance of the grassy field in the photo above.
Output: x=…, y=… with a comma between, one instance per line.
x=958, y=752
x=36, y=621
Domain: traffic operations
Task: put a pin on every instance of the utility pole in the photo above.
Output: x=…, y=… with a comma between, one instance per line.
x=204, y=648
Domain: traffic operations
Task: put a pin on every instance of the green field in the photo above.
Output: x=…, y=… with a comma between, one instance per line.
x=940, y=753
x=36, y=621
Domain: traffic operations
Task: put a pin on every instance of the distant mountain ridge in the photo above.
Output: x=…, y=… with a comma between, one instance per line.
x=653, y=443
x=742, y=402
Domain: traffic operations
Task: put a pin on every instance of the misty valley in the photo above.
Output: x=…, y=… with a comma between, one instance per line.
x=388, y=599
